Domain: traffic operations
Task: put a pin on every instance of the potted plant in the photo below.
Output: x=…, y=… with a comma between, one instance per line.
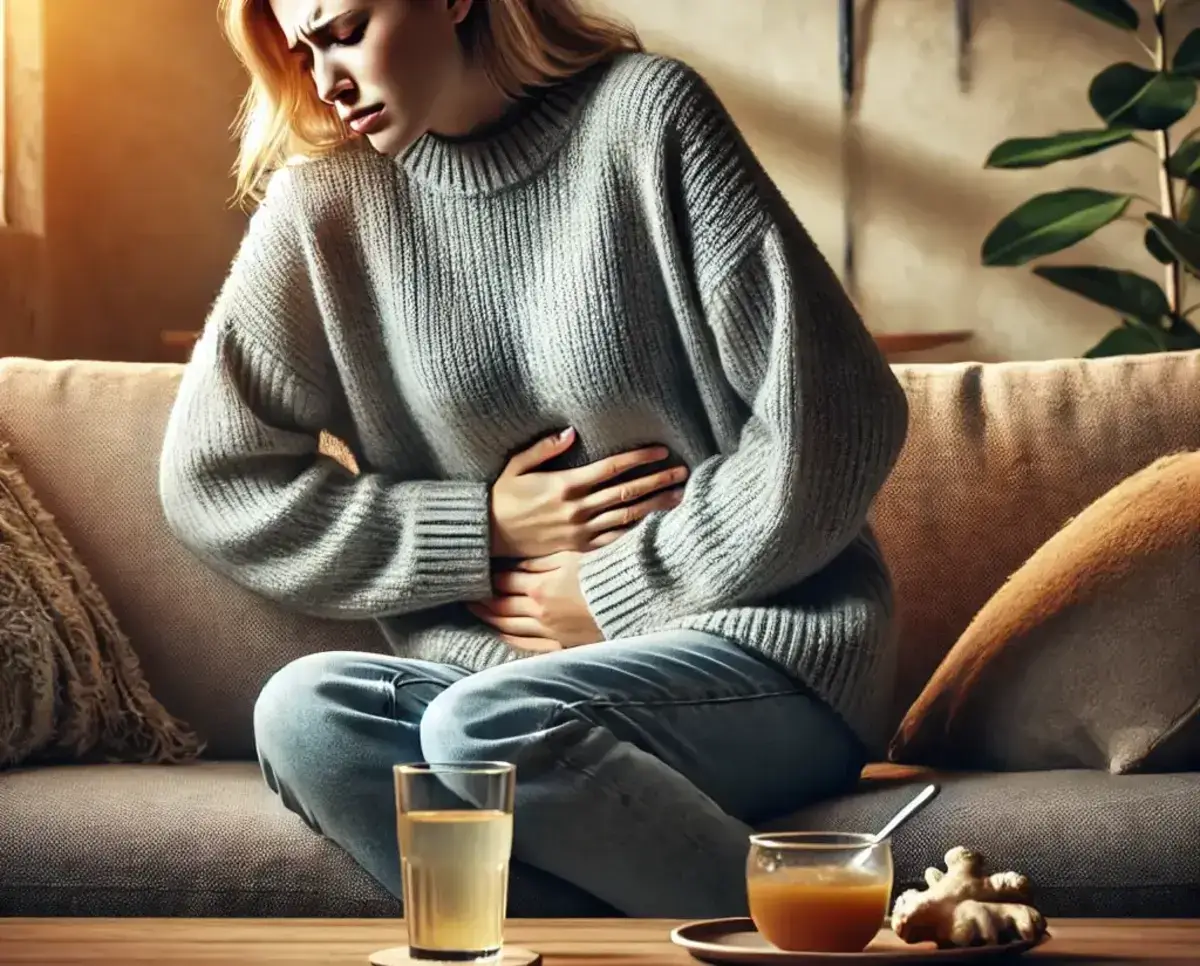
x=1136, y=105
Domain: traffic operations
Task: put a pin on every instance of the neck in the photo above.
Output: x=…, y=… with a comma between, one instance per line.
x=473, y=101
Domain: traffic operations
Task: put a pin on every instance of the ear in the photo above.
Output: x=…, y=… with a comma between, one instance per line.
x=459, y=10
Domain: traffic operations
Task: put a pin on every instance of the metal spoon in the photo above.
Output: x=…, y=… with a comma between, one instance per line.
x=925, y=796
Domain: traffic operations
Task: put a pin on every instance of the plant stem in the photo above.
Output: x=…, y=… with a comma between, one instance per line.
x=1174, y=272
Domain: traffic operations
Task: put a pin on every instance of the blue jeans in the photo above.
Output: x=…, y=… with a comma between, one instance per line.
x=642, y=764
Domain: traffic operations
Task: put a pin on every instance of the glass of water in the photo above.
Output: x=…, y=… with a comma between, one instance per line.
x=455, y=826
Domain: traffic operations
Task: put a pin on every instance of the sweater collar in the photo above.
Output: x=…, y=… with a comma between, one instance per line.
x=508, y=150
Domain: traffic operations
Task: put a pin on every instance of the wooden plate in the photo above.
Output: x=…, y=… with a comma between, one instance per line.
x=737, y=941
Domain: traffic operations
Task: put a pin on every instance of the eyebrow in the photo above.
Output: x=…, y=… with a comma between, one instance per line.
x=313, y=28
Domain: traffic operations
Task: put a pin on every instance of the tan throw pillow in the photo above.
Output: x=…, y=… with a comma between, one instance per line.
x=1089, y=655
x=71, y=688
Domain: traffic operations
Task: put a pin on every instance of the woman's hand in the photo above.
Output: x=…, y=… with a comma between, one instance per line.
x=539, y=606
x=535, y=514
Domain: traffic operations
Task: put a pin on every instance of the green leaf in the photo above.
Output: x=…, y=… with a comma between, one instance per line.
x=1189, y=210
x=1119, y=13
x=1183, y=335
x=1132, y=295
x=1038, y=152
x=1136, y=338
x=1183, y=243
x=1154, y=245
x=1187, y=55
x=1051, y=222
x=1126, y=95
x=1185, y=162
x=1130, y=339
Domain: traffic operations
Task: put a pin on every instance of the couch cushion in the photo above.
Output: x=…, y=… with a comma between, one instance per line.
x=998, y=457
x=88, y=435
x=206, y=839
x=210, y=840
x=1092, y=843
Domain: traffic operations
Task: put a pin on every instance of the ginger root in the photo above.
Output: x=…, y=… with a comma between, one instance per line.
x=964, y=907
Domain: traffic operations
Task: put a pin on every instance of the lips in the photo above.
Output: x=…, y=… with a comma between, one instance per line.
x=367, y=120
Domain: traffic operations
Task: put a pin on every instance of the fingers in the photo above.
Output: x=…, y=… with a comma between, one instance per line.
x=536, y=644
x=539, y=565
x=507, y=606
x=542, y=451
x=515, y=583
x=604, y=539
x=589, y=477
x=625, y=516
x=633, y=490
x=514, y=626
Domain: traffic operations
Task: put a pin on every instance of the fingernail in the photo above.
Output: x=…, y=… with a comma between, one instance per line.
x=566, y=432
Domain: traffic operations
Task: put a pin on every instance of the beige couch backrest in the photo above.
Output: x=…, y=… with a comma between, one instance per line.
x=998, y=457
x=87, y=435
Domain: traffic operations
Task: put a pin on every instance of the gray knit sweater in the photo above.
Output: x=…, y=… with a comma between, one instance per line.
x=611, y=257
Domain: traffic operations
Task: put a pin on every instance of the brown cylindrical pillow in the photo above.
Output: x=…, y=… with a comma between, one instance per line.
x=1089, y=655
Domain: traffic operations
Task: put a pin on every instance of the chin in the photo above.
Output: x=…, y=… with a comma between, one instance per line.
x=390, y=142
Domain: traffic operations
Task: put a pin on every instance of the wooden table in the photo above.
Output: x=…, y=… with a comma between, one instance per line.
x=580, y=942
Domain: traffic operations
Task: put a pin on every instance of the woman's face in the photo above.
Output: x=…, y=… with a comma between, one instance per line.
x=381, y=63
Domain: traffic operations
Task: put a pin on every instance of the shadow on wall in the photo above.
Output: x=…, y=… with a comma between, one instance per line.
x=925, y=202
x=21, y=287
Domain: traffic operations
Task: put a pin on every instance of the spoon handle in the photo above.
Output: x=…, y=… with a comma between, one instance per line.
x=907, y=812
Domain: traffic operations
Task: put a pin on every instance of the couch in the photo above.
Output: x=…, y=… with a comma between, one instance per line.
x=998, y=457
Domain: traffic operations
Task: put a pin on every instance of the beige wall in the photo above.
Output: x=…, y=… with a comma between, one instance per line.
x=136, y=234
x=924, y=202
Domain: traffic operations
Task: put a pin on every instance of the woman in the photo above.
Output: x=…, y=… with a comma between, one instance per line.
x=507, y=221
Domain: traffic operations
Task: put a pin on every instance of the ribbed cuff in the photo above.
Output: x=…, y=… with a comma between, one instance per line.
x=618, y=588
x=450, y=548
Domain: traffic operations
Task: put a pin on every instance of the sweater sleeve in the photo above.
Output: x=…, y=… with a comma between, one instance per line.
x=242, y=481
x=824, y=416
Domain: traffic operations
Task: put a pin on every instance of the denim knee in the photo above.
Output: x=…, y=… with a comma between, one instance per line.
x=499, y=715
x=289, y=708
x=473, y=721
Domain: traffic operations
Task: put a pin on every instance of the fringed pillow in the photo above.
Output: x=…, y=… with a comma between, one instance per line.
x=71, y=687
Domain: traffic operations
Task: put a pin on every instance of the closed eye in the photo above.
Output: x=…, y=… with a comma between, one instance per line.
x=354, y=37
x=326, y=35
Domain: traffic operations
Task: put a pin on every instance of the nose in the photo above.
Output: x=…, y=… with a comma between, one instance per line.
x=333, y=83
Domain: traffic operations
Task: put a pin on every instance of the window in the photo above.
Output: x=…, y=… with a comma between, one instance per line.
x=4, y=41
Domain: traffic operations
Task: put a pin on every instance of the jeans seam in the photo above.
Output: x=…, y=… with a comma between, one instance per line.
x=563, y=706
x=677, y=702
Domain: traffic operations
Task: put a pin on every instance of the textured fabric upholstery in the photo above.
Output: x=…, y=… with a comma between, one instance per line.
x=192, y=840
x=87, y=436
x=1093, y=844
x=210, y=840
x=998, y=458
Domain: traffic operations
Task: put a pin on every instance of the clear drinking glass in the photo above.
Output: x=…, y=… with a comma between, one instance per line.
x=455, y=829
x=818, y=891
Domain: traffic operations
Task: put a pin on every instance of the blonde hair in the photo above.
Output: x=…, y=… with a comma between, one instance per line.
x=519, y=43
